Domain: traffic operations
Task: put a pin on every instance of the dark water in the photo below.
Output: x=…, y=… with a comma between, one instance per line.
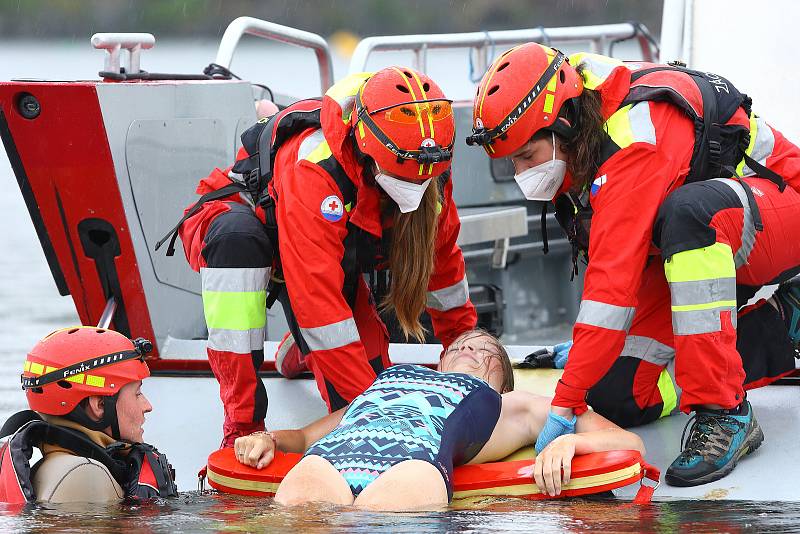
x=196, y=512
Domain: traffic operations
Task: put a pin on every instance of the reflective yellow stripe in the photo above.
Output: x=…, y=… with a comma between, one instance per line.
x=346, y=89
x=413, y=97
x=37, y=368
x=242, y=484
x=321, y=152
x=668, y=394
x=424, y=96
x=588, y=481
x=596, y=67
x=27, y=366
x=361, y=129
x=749, y=151
x=235, y=310
x=78, y=379
x=551, y=85
x=548, y=102
x=706, y=263
x=96, y=381
x=704, y=306
x=49, y=369
x=619, y=127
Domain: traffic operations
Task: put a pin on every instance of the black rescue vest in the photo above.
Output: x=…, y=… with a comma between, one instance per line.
x=129, y=464
x=718, y=146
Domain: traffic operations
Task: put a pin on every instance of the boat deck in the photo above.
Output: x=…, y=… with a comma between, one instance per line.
x=188, y=416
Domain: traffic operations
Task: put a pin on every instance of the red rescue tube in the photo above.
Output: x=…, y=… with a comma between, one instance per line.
x=591, y=473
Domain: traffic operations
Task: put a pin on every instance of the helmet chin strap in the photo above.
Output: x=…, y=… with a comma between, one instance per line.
x=109, y=418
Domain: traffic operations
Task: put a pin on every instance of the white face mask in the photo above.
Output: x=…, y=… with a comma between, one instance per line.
x=542, y=181
x=408, y=195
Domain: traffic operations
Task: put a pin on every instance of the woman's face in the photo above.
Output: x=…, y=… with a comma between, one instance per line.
x=535, y=152
x=474, y=353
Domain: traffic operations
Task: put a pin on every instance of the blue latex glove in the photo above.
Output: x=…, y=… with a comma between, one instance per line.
x=554, y=427
x=561, y=353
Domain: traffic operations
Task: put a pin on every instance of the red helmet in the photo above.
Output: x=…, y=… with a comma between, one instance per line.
x=404, y=122
x=522, y=92
x=74, y=363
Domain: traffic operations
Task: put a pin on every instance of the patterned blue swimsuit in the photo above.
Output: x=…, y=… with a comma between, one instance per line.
x=411, y=413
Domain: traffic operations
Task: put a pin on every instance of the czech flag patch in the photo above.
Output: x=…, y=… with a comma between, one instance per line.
x=597, y=184
x=332, y=208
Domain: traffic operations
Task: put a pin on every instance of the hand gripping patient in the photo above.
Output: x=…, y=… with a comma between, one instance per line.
x=395, y=446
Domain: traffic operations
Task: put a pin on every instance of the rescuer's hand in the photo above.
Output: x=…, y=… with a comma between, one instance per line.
x=554, y=427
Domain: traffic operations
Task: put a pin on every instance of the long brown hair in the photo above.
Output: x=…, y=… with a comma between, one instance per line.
x=583, y=150
x=411, y=261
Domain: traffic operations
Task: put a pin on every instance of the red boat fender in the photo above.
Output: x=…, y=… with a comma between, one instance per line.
x=591, y=473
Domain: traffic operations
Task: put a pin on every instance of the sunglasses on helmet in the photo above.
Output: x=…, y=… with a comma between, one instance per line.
x=415, y=110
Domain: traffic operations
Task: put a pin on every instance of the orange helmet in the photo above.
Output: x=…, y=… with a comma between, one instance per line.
x=403, y=121
x=524, y=91
x=74, y=363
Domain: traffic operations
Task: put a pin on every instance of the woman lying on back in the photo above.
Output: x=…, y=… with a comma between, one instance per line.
x=394, y=447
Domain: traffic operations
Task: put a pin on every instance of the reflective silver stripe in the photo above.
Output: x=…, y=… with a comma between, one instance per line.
x=450, y=297
x=331, y=336
x=605, y=315
x=748, y=226
x=648, y=349
x=309, y=144
x=763, y=146
x=686, y=323
x=641, y=124
x=234, y=279
x=238, y=341
x=702, y=291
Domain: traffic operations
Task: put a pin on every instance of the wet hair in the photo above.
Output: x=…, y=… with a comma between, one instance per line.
x=497, y=351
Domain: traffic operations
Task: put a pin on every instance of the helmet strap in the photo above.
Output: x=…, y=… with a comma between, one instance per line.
x=109, y=419
x=566, y=124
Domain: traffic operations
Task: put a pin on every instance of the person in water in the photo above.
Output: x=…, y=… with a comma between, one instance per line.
x=395, y=446
x=87, y=411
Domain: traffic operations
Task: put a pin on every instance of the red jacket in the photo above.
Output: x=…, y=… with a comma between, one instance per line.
x=311, y=245
x=626, y=195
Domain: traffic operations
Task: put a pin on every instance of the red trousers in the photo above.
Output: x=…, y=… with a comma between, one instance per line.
x=711, y=365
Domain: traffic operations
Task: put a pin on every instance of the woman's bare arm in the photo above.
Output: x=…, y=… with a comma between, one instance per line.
x=300, y=440
x=257, y=450
x=594, y=433
x=521, y=417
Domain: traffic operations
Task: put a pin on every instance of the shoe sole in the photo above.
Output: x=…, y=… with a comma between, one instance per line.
x=751, y=443
x=280, y=356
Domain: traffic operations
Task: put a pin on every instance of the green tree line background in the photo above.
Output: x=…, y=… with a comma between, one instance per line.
x=76, y=19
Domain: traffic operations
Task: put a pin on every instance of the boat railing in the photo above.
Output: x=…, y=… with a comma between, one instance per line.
x=276, y=32
x=600, y=37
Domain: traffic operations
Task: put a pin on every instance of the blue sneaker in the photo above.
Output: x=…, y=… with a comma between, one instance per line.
x=717, y=440
x=788, y=298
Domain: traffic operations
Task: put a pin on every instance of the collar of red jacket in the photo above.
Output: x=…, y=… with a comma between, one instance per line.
x=337, y=104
